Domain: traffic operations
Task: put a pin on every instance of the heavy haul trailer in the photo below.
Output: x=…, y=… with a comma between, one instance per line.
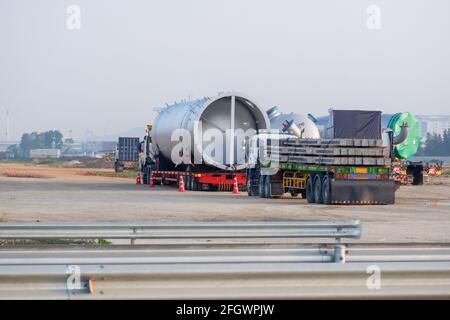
x=195, y=179
x=201, y=181
x=335, y=171
x=220, y=117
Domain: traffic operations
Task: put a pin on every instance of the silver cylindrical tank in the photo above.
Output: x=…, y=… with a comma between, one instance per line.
x=225, y=113
x=306, y=126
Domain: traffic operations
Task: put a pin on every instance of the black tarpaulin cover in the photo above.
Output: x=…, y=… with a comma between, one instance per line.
x=356, y=124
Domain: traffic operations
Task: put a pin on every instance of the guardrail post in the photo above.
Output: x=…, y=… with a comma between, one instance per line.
x=133, y=239
x=339, y=252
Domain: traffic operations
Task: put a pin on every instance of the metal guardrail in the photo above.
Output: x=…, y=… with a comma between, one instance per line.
x=235, y=270
x=181, y=230
x=213, y=253
x=226, y=281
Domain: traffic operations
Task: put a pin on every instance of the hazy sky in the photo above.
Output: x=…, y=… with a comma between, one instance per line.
x=130, y=56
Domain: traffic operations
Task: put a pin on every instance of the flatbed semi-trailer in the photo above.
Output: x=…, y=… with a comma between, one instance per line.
x=284, y=171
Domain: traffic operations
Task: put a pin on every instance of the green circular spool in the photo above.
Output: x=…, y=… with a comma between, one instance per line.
x=409, y=147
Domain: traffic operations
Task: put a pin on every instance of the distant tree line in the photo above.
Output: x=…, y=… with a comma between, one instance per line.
x=37, y=140
x=436, y=145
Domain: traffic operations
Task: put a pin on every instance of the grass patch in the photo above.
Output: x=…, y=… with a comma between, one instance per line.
x=20, y=242
x=446, y=173
x=103, y=242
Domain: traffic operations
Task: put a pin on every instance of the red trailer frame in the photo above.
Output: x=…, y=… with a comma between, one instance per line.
x=219, y=180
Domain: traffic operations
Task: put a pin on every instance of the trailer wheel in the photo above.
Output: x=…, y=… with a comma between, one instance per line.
x=252, y=182
x=417, y=178
x=326, y=189
x=118, y=167
x=262, y=191
x=187, y=181
x=268, y=187
x=146, y=172
x=318, y=189
x=310, y=189
x=186, y=184
x=143, y=173
x=294, y=194
x=303, y=193
x=191, y=183
x=250, y=189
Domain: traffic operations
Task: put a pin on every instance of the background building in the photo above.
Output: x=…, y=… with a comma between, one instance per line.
x=433, y=124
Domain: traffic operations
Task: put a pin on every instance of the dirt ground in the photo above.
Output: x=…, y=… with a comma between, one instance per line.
x=39, y=192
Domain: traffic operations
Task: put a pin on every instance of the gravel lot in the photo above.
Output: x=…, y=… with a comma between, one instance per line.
x=422, y=213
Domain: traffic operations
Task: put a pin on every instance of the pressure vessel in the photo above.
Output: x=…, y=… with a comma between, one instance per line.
x=223, y=116
x=305, y=125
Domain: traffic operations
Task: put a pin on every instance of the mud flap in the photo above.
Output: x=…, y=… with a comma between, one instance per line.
x=363, y=192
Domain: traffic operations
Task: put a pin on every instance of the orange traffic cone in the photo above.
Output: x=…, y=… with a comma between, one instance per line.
x=151, y=182
x=181, y=184
x=138, y=178
x=235, y=186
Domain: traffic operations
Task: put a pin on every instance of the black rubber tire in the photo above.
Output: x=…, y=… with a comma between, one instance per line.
x=118, y=168
x=318, y=189
x=303, y=193
x=249, y=187
x=187, y=179
x=149, y=173
x=310, y=189
x=262, y=189
x=268, y=187
x=192, y=183
x=326, y=189
x=417, y=178
x=294, y=194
